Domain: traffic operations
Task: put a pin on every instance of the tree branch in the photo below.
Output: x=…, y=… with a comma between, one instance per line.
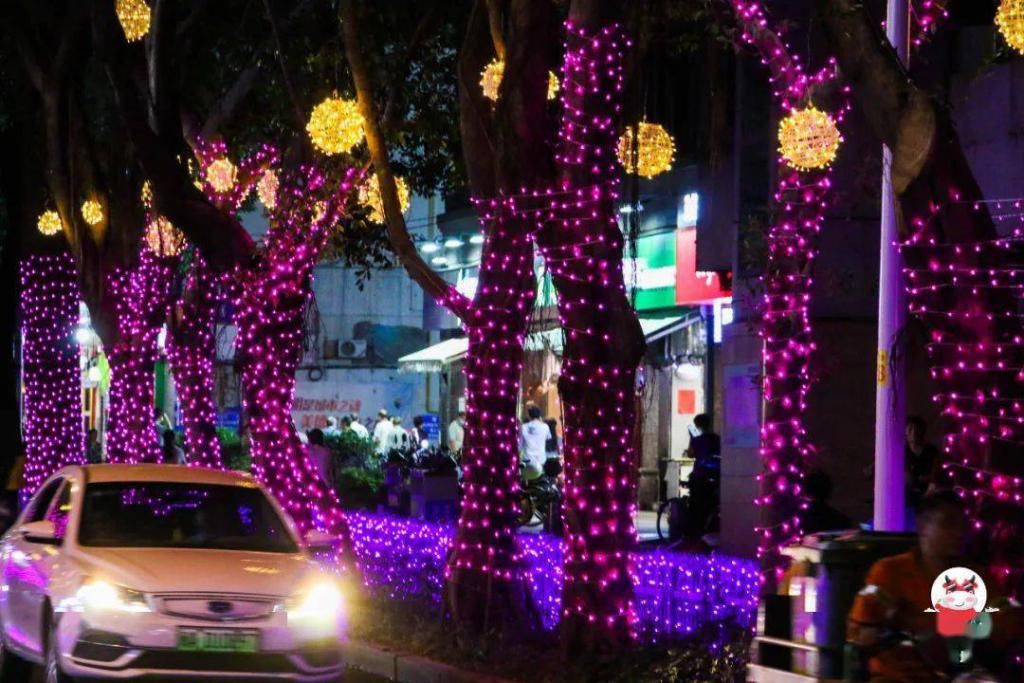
x=476, y=122
x=297, y=107
x=495, y=10
x=393, y=105
x=398, y=233
x=898, y=112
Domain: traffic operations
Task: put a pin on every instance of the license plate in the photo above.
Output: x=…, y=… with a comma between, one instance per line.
x=218, y=640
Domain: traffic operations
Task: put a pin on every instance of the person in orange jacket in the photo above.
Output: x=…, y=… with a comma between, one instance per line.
x=897, y=598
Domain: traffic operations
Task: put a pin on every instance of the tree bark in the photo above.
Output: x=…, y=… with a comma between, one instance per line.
x=582, y=246
x=949, y=236
x=192, y=350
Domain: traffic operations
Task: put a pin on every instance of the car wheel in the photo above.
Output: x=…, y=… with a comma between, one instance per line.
x=51, y=670
x=12, y=667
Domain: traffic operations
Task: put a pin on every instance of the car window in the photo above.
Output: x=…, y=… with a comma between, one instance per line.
x=171, y=515
x=40, y=504
x=59, y=511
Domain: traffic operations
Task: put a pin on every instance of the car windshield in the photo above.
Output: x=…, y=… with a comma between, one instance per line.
x=165, y=515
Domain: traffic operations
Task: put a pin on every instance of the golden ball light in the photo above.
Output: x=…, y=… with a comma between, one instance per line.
x=655, y=150
x=335, y=126
x=163, y=239
x=369, y=194
x=266, y=189
x=221, y=174
x=134, y=16
x=1010, y=21
x=147, y=194
x=808, y=139
x=92, y=212
x=490, y=80
x=49, y=223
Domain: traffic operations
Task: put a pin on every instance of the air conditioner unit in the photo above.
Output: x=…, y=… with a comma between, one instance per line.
x=352, y=348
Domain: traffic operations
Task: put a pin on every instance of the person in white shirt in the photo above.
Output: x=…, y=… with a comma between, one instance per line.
x=398, y=438
x=457, y=433
x=533, y=439
x=356, y=426
x=382, y=431
x=332, y=426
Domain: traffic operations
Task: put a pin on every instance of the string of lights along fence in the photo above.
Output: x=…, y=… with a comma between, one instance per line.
x=48, y=308
x=808, y=141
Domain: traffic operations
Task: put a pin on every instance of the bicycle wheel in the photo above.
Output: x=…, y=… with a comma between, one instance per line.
x=526, y=510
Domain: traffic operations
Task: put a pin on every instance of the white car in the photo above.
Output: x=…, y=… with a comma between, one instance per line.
x=121, y=572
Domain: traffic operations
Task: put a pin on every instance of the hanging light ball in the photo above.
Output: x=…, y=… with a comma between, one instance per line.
x=490, y=80
x=335, y=126
x=49, y=223
x=134, y=16
x=266, y=189
x=92, y=212
x=163, y=239
x=808, y=139
x=369, y=194
x=221, y=174
x=1010, y=21
x=553, y=85
x=147, y=194
x=655, y=150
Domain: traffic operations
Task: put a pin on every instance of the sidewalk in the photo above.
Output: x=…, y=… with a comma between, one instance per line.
x=385, y=664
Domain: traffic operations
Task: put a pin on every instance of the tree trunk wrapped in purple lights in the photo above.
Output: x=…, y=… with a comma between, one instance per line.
x=786, y=330
x=141, y=300
x=192, y=349
x=582, y=245
x=486, y=586
x=271, y=315
x=49, y=302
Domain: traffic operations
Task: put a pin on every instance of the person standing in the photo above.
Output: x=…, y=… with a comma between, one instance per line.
x=705, y=446
x=170, y=452
x=93, y=447
x=321, y=456
x=920, y=461
x=382, y=431
x=533, y=439
x=398, y=438
x=553, y=446
x=457, y=433
x=356, y=426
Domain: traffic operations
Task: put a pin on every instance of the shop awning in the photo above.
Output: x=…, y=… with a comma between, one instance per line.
x=437, y=357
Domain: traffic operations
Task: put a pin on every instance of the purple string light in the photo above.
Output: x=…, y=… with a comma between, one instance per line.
x=52, y=379
x=676, y=594
x=786, y=330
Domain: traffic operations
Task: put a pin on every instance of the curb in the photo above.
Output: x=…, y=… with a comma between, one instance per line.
x=403, y=667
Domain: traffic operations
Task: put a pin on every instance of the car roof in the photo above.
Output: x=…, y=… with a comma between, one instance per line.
x=174, y=474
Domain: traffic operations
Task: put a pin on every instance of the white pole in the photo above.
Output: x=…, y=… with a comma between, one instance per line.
x=889, y=409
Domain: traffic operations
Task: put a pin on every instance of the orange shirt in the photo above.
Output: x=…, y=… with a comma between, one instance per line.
x=896, y=593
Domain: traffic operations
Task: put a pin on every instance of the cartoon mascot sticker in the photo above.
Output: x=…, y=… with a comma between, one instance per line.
x=958, y=599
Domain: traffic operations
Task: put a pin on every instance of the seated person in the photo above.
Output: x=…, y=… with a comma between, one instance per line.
x=820, y=515
x=897, y=599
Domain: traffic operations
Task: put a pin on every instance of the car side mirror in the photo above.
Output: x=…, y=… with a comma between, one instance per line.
x=42, y=532
x=319, y=542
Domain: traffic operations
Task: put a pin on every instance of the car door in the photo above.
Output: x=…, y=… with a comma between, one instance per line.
x=25, y=576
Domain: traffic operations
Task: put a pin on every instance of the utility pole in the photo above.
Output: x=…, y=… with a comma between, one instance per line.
x=889, y=512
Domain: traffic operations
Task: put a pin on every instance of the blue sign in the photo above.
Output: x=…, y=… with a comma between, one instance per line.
x=230, y=418
x=432, y=426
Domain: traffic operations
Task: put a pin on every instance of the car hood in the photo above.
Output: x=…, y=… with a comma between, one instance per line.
x=191, y=570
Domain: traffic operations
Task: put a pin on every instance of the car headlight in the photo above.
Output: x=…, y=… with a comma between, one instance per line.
x=321, y=602
x=100, y=596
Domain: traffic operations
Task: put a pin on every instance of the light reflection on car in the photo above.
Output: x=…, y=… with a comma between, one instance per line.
x=132, y=571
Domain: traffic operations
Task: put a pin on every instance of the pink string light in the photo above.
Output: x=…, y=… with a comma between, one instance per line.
x=192, y=350
x=801, y=199
x=141, y=300
x=52, y=381
x=272, y=299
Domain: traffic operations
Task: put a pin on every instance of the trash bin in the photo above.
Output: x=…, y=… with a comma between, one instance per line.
x=803, y=631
